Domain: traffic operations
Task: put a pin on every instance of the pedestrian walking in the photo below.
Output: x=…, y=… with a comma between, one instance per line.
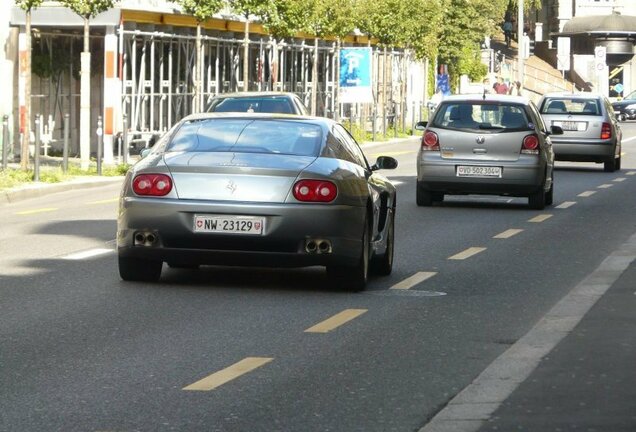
x=507, y=28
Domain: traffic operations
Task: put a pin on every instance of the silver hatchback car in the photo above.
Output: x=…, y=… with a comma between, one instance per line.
x=257, y=189
x=591, y=132
x=490, y=144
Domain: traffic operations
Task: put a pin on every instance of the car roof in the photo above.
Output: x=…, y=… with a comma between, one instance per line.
x=323, y=121
x=253, y=94
x=489, y=97
x=581, y=95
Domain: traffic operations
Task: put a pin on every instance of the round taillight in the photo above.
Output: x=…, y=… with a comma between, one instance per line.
x=152, y=184
x=315, y=191
x=430, y=141
x=531, y=142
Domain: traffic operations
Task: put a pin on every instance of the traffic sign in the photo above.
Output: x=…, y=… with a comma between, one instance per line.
x=600, y=57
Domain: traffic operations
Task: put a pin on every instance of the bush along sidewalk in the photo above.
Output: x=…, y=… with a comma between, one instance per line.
x=13, y=177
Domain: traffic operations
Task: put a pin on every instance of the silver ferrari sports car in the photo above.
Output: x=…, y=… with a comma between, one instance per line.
x=257, y=190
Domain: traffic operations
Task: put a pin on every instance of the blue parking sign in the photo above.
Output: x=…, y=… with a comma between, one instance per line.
x=355, y=75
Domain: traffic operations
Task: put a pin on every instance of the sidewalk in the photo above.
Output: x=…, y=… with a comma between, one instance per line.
x=575, y=370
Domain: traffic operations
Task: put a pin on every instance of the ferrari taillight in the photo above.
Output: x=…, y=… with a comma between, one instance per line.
x=152, y=184
x=315, y=191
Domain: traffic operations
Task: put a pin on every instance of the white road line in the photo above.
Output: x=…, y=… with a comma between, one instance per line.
x=540, y=218
x=605, y=186
x=410, y=282
x=470, y=409
x=87, y=254
x=587, y=193
x=566, y=204
x=508, y=233
x=467, y=253
x=631, y=173
x=619, y=179
x=396, y=182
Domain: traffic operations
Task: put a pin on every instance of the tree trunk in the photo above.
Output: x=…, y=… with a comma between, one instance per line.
x=246, y=51
x=26, y=134
x=85, y=101
x=198, y=75
x=314, y=78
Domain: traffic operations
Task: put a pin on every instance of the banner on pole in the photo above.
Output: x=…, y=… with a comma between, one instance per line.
x=355, y=75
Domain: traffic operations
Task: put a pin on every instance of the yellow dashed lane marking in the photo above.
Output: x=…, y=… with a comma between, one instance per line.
x=605, y=186
x=508, y=233
x=566, y=204
x=540, y=218
x=107, y=201
x=467, y=253
x=336, y=321
x=410, y=282
x=619, y=179
x=587, y=193
x=36, y=211
x=228, y=374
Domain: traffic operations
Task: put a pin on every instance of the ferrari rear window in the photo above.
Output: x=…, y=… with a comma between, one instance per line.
x=248, y=136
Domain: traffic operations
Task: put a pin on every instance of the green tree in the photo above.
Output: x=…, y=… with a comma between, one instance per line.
x=87, y=9
x=248, y=9
x=27, y=6
x=201, y=10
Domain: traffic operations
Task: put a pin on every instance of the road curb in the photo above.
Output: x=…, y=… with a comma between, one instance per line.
x=35, y=190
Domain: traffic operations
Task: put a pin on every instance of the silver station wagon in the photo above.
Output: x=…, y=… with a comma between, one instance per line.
x=486, y=144
x=591, y=132
x=257, y=189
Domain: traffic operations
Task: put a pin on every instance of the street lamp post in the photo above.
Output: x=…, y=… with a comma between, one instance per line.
x=520, y=54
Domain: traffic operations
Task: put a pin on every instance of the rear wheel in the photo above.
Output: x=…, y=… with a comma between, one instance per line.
x=437, y=196
x=618, y=164
x=423, y=198
x=353, y=278
x=610, y=166
x=537, y=200
x=139, y=269
x=383, y=264
x=549, y=196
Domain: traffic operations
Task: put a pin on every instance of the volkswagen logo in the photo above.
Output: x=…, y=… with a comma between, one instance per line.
x=480, y=139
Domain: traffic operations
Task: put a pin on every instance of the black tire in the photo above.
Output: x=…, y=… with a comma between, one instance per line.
x=423, y=198
x=139, y=269
x=383, y=264
x=353, y=278
x=618, y=164
x=549, y=196
x=438, y=196
x=537, y=200
x=610, y=166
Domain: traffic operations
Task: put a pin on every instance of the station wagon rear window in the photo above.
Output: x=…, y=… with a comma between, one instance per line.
x=248, y=136
x=498, y=117
x=571, y=106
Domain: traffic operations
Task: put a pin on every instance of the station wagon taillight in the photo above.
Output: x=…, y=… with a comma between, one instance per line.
x=530, y=145
x=152, y=184
x=315, y=191
x=606, y=131
x=430, y=141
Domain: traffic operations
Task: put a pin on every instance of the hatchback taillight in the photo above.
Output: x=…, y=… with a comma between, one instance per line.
x=315, y=191
x=530, y=145
x=430, y=141
x=606, y=131
x=152, y=184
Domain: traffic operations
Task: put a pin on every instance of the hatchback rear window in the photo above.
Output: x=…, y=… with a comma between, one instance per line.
x=247, y=136
x=265, y=105
x=500, y=117
x=571, y=106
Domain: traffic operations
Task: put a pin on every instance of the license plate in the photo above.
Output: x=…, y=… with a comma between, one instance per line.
x=571, y=125
x=246, y=225
x=478, y=171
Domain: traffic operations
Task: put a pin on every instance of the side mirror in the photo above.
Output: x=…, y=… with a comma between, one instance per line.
x=421, y=125
x=556, y=130
x=385, y=162
x=144, y=152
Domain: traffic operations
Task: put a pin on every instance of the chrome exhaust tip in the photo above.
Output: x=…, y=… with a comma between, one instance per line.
x=311, y=246
x=145, y=239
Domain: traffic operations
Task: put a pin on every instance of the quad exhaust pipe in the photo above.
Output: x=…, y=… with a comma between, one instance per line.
x=318, y=246
x=145, y=238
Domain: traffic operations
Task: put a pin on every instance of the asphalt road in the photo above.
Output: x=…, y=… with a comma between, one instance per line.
x=237, y=349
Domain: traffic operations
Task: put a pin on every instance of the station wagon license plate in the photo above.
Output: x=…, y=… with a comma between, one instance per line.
x=478, y=171
x=245, y=225
x=570, y=125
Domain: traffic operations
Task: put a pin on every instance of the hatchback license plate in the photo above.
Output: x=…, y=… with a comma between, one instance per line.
x=478, y=171
x=246, y=225
x=571, y=126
